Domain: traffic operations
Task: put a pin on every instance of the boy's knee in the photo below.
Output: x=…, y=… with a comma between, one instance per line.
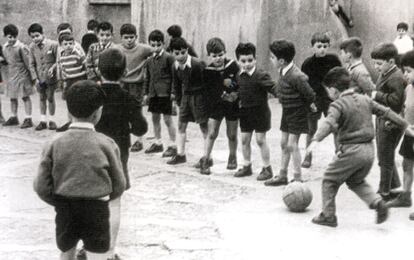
x=25, y=99
x=407, y=165
x=232, y=137
x=212, y=135
x=261, y=141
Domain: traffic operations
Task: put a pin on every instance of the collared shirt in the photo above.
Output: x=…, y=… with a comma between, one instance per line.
x=287, y=68
x=186, y=64
x=83, y=125
x=353, y=65
x=250, y=72
x=403, y=44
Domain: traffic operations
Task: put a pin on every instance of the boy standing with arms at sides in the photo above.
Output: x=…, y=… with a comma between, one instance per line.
x=90, y=37
x=121, y=116
x=406, y=148
x=316, y=67
x=254, y=85
x=350, y=53
x=105, y=34
x=136, y=56
x=403, y=42
x=297, y=99
x=80, y=173
x=350, y=116
x=390, y=93
x=220, y=77
x=19, y=79
x=189, y=91
x=157, y=93
x=43, y=57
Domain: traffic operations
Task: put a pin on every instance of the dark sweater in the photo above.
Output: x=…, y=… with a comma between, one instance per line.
x=350, y=116
x=214, y=79
x=87, y=40
x=316, y=68
x=121, y=115
x=189, y=81
x=293, y=89
x=81, y=163
x=390, y=89
x=253, y=89
x=158, y=72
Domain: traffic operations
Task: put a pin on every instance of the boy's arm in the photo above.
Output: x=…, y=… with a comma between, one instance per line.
x=176, y=85
x=25, y=55
x=147, y=78
x=139, y=125
x=116, y=172
x=305, y=89
x=395, y=98
x=364, y=82
x=32, y=65
x=386, y=112
x=43, y=183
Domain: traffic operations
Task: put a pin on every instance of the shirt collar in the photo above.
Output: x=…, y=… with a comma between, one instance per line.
x=347, y=92
x=186, y=64
x=159, y=54
x=355, y=64
x=287, y=68
x=15, y=44
x=248, y=72
x=82, y=125
x=390, y=70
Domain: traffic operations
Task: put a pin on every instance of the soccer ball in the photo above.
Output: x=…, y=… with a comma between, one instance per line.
x=297, y=196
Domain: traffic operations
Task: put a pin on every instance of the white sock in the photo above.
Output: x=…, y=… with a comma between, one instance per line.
x=158, y=141
x=51, y=118
x=246, y=162
x=43, y=118
x=28, y=116
x=181, y=143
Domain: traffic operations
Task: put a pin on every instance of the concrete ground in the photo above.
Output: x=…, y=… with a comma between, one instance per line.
x=173, y=212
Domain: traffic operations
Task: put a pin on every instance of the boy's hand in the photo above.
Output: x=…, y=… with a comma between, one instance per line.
x=227, y=83
x=145, y=100
x=51, y=71
x=313, y=108
x=310, y=148
x=410, y=130
x=36, y=83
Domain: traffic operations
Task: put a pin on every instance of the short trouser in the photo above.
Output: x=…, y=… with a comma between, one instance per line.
x=406, y=148
x=160, y=105
x=46, y=90
x=223, y=109
x=294, y=120
x=193, y=108
x=135, y=89
x=255, y=119
x=86, y=220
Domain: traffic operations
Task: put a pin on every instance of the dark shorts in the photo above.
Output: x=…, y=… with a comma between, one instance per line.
x=136, y=90
x=86, y=220
x=255, y=119
x=406, y=149
x=160, y=105
x=228, y=110
x=46, y=91
x=193, y=108
x=294, y=121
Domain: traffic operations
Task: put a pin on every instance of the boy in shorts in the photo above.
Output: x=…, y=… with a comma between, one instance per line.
x=79, y=173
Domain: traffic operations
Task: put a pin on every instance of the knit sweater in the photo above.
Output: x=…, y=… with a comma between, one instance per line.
x=214, y=78
x=350, y=116
x=135, y=61
x=293, y=89
x=390, y=89
x=253, y=89
x=80, y=163
x=360, y=78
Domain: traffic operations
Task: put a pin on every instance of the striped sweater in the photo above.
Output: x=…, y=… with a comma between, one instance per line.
x=72, y=65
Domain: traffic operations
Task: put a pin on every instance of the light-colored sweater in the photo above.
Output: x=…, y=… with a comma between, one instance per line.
x=135, y=59
x=81, y=163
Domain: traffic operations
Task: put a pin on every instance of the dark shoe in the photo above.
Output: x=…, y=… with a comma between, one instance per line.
x=52, y=125
x=276, y=181
x=171, y=151
x=177, y=159
x=64, y=127
x=265, y=174
x=232, y=163
x=2, y=120
x=12, y=121
x=321, y=219
x=198, y=164
x=81, y=255
x=41, y=126
x=243, y=172
x=137, y=146
x=307, y=162
x=402, y=201
x=27, y=123
x=389, y=196
x=411, y=216
x=205, y=167
x=382, y=212
x=115, y=257
x=155, y=148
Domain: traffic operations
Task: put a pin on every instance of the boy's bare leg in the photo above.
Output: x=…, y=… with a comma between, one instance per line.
x=408, y=166
x=43, y=106
x=293, y=148
x=13, y=106
x=115, y=222
x=171, y=128
x=264, y=148
x=27, y=106
x=232, y=136
x=246, y=149
x=182, y=128
x=285, y=154
x=68, y=255
x=156, y=118
x=204, y=129
x=213, y=131
x=95, y=256
x=52, y=105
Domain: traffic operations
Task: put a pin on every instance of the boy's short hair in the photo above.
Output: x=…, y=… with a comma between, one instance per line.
x=83, y=98
x=320, y=37
x=408, y=59
x=245, y=49
x=112, y=64
x=105, y=26
x=64, y=26
x=156, y=36
x=66, y=37
x=178, y=44
x=352, y=45
x=337, y=77
x=35, y=27
x=403, y=26
x=175, y=31
x=10, y=29
x=384, y=51
x=215, y=45
x=283, y=49
x=92, y=25
x=128, y=28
